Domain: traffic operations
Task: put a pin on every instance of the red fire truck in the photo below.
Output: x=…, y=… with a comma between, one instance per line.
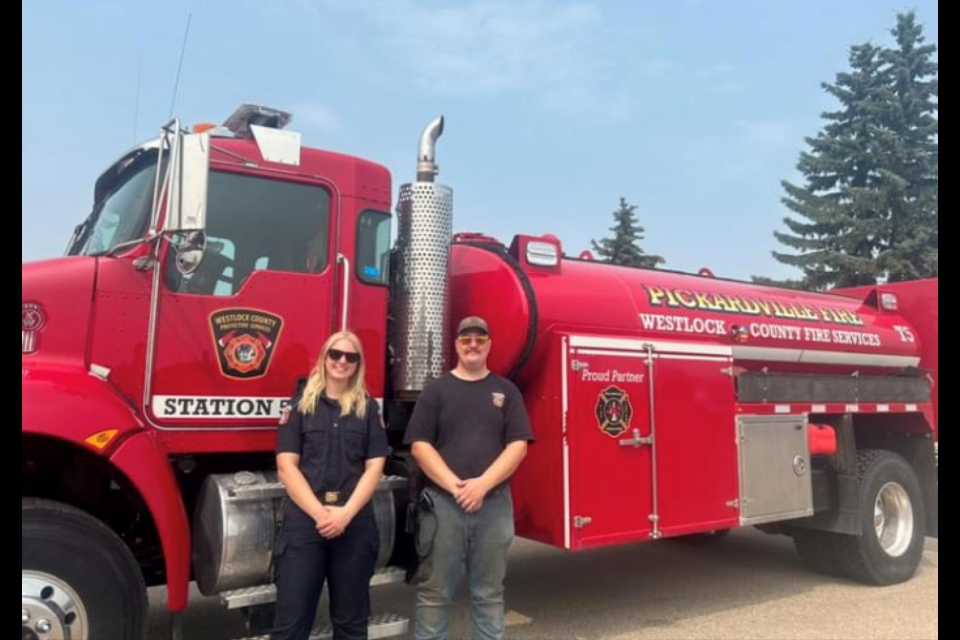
x=159, y=353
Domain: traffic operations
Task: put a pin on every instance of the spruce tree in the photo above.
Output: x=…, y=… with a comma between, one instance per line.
x=868, y=208
x=624, y=247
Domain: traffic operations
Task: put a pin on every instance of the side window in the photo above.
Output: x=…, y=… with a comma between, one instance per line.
x=373, y=248
x=255, y=224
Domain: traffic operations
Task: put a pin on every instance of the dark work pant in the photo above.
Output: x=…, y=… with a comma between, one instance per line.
x=305, y=560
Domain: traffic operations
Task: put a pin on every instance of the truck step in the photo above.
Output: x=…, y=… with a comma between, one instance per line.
x=381, y=626
x=267, y=593
x=388, y=575
x=250, y=597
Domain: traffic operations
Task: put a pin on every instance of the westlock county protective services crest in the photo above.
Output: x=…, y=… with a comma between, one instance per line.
x=614, y=412
x=245, y=341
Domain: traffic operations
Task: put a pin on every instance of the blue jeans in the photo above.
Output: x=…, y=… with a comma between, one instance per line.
x=450, y=538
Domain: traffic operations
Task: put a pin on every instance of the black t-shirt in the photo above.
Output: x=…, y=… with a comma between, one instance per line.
x=333, y=449
x=470, y=423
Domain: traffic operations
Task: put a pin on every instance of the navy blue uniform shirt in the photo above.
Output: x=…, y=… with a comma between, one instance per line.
x=333, y=449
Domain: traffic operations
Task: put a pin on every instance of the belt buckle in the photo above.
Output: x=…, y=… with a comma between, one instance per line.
x=331, y=497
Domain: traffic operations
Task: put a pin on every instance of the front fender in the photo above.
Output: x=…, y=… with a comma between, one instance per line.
x=148, y=468
x=73, y=405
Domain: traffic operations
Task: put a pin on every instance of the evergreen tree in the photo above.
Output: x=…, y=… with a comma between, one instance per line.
x=624, y=247
x=868, y=208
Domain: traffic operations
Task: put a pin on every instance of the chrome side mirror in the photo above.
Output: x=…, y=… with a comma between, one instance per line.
x=189, y=248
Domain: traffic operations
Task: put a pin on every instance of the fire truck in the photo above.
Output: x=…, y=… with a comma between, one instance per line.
x=159, y=353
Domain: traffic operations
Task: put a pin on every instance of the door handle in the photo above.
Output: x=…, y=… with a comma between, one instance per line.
x=637, y=442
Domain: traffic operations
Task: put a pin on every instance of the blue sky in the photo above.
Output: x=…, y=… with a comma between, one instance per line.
x=694, y=110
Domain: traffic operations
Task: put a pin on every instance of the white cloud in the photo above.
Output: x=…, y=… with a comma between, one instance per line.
x=493, y=48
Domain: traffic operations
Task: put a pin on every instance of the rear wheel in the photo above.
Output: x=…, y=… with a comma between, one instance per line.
x=892, y=518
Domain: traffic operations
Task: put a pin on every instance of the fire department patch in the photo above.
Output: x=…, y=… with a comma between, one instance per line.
x=245, y=341
x=499, y=400
x=614, y=412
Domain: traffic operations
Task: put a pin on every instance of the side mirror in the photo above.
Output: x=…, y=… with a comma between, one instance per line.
x=189, y=248
x=188, y=183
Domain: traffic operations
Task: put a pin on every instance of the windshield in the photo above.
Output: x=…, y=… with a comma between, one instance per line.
x=123, y=212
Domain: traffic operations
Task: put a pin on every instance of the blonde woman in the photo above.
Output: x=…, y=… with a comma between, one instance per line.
x=331, y=451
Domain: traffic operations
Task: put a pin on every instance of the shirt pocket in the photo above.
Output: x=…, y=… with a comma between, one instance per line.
x=355, y=442
x=314, y=441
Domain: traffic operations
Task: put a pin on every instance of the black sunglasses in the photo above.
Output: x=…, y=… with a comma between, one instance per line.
x=336, y=355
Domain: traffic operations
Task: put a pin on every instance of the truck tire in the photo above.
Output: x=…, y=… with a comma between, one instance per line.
x=77, y=578
x=893, y=518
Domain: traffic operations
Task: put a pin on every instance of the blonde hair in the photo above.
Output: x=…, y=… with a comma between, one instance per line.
x=355, y=399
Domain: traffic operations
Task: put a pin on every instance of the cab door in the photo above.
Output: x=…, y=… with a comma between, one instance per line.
x=233, y=338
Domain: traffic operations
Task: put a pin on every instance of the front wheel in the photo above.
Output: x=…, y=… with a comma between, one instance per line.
x=78, y=580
